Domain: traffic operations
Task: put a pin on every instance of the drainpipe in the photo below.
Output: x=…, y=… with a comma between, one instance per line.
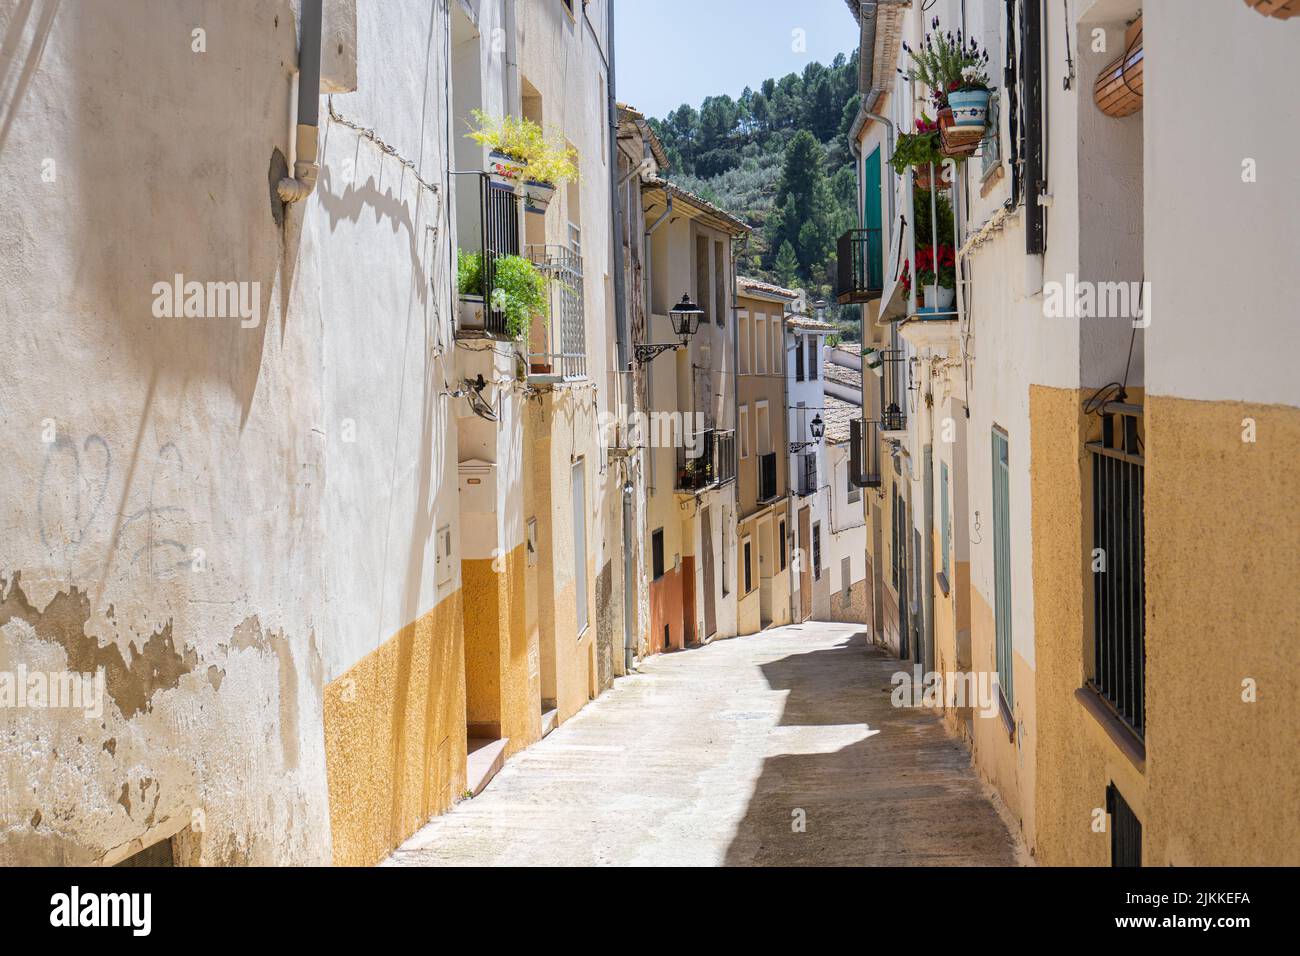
x=620, y=340
x=305, y=169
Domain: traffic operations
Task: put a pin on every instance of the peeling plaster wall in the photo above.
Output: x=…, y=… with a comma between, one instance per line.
x=224, y=518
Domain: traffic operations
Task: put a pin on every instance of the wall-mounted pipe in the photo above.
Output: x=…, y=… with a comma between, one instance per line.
x=305, y=169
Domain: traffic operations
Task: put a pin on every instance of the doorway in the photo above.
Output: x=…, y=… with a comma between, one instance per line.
x=805, y=564
x=706, y=556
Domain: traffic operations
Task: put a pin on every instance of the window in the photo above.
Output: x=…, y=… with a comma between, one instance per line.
x=580, y=541
x=762, y=429
x=760, y=344
x=991, y=146
x=719, y=286
x=812, y=341
x=1118, y=580
x=744, y=431
x=798, y=358
x=1002, y=563
x=749, y=574
x=944, y=531
x=817, y=550
x=744, y=343
x=703, y=285
x=778, y=353
x=781, y=536
x=1125, y=830
x=855, y=493
x=657, y=554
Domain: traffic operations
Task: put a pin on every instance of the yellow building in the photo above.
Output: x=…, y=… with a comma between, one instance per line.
x=763, y=486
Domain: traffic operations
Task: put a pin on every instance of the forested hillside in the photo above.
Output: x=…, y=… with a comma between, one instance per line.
x=777, y=157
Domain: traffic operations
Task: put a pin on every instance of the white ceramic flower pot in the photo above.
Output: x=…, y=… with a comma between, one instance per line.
x=537, y=197
x=471, y=313
x=939, y=297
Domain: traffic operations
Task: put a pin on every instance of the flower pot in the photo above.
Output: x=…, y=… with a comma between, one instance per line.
x=537, y=196
x=970, y=108
x=504, y=170
x=939, y=297
x=471, y=314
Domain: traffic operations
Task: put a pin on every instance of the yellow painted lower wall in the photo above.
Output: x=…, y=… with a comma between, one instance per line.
x=395, y=736
x=502, y=685
x=1077, y=759
x=1223, y=606
x=1006, y=760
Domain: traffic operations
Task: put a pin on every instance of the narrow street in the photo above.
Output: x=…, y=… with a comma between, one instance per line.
x=712, y=756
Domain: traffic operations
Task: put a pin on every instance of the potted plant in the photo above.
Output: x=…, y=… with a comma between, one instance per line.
x=873, y=356
x=549, y=165
x=920, y=150
x=523, y=157
x=956, y=71
x=970, y=100
x=939, y=287
x=518, y=292
x=469, y=285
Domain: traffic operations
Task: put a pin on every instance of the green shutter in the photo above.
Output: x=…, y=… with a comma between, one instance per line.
x=1002, y=563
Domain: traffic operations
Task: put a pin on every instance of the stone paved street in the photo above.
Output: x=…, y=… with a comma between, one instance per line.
x=709, y=756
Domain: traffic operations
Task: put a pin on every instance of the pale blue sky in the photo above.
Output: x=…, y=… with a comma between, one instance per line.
x=670, y=52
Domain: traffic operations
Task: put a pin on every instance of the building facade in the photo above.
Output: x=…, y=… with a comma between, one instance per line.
x=1060, y=431
x=763, y=488
x=305, y=497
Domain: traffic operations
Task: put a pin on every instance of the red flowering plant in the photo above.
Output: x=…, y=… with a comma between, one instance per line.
x=947, y=260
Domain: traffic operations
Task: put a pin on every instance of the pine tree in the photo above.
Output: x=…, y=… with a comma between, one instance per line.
x=805, y=204
x=787, y=266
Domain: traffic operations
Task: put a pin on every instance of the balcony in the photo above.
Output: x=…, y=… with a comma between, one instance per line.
x=893, y=391
x=864, y=453
x=557, y=345
x=860, y=266
x=808, y=474
x=766, y=478
x=713, y=464
x=496, y=235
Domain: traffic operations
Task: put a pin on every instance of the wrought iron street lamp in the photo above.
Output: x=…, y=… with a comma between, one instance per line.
x=818, y=429
x=685, y=319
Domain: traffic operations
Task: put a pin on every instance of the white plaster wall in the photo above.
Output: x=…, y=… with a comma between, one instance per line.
x=1221, y=253
x=181, y=436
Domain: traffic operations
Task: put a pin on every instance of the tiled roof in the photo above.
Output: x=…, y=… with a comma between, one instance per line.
x=837, y=415
x=808, y=324
x=647, y=132
x=842, y=375
x=671, y=188
x=766, y=288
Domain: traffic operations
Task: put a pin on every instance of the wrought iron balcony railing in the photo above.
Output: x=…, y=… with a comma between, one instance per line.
x=860, y=266
x=864, y=453
x=808, y=473
x=558, y=344
x=695, y=472
x=497, y=236
x=893, y=391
